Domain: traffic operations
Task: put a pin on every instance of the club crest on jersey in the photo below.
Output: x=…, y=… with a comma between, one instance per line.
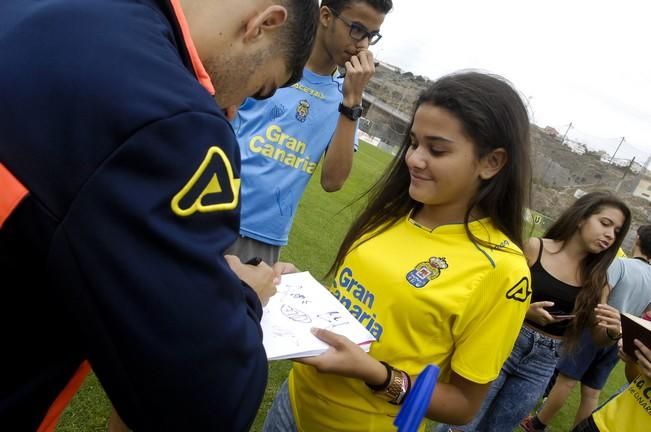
x=302, y=110
x=426, y=271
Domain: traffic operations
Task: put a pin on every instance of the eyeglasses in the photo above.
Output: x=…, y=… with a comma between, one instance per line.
x=357, y=31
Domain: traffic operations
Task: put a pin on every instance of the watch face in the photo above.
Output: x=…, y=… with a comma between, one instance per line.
x=353, y=113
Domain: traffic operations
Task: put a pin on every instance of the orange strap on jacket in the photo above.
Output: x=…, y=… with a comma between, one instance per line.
x=197, y=65
x=51, y=419
x=12, y=193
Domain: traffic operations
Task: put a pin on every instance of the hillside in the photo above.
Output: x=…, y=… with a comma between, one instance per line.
x=557, y=171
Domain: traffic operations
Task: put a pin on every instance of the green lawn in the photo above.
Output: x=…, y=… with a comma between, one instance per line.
x=320, y=224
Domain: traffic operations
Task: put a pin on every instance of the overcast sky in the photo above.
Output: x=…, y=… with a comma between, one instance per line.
x=585, y=62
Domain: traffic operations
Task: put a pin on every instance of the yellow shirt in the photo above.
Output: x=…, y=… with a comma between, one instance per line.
x=428, y=297
x=628, y=411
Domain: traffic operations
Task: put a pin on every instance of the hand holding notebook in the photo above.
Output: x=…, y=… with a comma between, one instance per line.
x=634, y=328
x=302, y=303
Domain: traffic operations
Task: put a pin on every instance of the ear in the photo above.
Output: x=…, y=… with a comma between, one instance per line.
x=492, y=163
x=325, y=16
x=271, y=18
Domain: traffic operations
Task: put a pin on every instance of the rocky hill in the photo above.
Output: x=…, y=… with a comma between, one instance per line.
x=558, y=171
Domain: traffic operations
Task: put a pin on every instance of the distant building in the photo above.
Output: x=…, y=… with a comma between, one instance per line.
x=391, y=67
x=633, y=166
x=576, y=146
x=605, y=157
x=579, y=193
x=643, y=189
x=551, y=131
x=385, y=122
x=636, y=168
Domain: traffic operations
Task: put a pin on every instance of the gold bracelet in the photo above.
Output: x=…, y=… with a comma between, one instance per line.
x=392, y=392
x=399, y=384
x=406, y=387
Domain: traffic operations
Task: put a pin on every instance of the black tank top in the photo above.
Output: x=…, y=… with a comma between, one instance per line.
x=547, y=288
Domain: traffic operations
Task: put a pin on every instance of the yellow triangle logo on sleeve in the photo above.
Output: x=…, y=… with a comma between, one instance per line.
x=213, y=186
x=204, y=192
x=520, y=292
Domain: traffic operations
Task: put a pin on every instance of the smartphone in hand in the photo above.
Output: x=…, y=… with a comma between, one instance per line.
x=562, y=316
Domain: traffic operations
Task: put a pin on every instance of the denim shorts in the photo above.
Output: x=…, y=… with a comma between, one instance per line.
x=588, y=362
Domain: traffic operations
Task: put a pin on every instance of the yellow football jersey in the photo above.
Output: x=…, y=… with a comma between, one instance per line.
x=628, y=411
x=428, y=296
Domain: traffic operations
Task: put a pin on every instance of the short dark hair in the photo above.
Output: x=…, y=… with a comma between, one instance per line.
x=298, y=35
x=644, y=232
x=383, y=6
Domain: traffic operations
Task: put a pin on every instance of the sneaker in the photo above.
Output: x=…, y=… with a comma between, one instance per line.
x=527, y=425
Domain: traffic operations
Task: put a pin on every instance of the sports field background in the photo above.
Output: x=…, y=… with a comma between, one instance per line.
x=320, y=224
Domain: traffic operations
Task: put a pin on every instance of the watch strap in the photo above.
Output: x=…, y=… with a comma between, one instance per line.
x=353, y=113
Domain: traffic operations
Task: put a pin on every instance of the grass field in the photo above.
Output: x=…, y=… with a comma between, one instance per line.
x=320, y=224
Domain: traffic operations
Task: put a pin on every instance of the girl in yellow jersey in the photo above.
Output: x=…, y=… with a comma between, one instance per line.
x=433, y=268
x=630, y=410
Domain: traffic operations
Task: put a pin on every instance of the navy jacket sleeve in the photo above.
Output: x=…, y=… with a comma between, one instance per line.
x=171, y=332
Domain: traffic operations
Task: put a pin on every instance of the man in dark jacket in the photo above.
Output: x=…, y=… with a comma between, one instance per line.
x=119, y=192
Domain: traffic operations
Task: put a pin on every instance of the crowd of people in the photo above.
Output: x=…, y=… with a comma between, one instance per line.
x=152, y=159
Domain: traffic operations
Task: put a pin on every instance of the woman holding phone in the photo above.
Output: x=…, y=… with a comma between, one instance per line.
x=569, y=279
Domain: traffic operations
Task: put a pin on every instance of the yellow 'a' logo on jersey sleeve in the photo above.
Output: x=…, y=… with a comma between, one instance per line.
x=212, y=187
x=520, y=292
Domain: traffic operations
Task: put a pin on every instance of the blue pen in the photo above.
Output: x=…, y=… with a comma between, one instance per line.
x=413, y=410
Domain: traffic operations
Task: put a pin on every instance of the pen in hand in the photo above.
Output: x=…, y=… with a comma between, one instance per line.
x=254, y=261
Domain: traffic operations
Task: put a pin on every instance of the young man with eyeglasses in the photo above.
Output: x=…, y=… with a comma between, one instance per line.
x=283, y=138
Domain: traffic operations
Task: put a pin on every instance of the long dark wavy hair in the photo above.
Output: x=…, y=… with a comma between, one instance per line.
x=493, y=116
x=594, y=267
